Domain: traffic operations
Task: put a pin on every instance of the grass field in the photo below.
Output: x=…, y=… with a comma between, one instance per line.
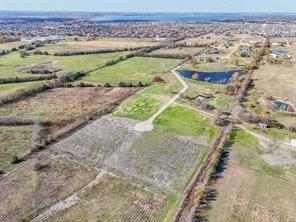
x=186, y=122
x=105, y=43
x=65, y=105
x=132, y=70
x=250, y=189
x=114, y=199
x=10, y=45
x=26, y=192
x=6, y=89
x=11, y=64
x=14, y=141
x=177, y=51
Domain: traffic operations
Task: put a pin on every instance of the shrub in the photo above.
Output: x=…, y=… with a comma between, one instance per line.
x=16, y=159
x=158, y=79
x=107, y=85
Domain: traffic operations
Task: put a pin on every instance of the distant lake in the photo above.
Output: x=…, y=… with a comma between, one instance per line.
x=187, y=17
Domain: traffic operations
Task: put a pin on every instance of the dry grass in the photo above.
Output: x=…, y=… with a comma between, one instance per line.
x=65, y=105
x=83, y=45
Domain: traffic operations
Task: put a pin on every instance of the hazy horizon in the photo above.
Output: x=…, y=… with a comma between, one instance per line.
x=152, y=6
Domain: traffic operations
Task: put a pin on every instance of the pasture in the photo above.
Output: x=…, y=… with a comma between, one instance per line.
x=10, y=45
x=71, y=45
x=12, y=64
x=63, y=106
x=250, y=186
x=132, y=70
x=15, y=141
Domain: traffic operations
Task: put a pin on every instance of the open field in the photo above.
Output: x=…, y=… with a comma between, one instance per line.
x=114, y=199
x=250, y=189
x=280, y=76
x=84, y=45
x=6, y=89
x=14, y=141
x=177, y=51
x=11, y=64
x=62, y=106
x=10, y=45
x=132, y=70
x=29, y=190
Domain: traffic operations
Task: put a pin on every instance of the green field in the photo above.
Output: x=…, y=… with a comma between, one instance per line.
x=144, y=104
x=6, y=89
x=132, y=70
x=11, y=64
x=14, y=141
x=183, y=121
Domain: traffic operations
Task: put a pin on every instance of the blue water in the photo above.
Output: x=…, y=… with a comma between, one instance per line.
x=280, y=52
x=281, y=105
x=188, y=17
x=212, y=77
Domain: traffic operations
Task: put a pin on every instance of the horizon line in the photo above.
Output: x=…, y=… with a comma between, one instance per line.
x=172, y=12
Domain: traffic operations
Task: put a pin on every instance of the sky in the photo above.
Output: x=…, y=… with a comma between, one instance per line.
x=269, y=6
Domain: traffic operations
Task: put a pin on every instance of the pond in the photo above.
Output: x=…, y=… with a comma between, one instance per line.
x=280, y=52
x=211, y=77
x=283, y=106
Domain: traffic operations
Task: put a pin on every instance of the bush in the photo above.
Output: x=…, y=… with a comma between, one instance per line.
x=27, y=79
x=158, y=79
x=107, y=85
x=125, y=84
x=16, y=159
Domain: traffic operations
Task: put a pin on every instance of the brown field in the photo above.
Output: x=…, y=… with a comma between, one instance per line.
x=10, y=45
x=27, y=191
x=62, y=106
x=249, y=189
x=177, y=51
x=277, y=80
x=83, y=45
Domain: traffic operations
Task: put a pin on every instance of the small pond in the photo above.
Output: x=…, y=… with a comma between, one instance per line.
x=281, y=105
x=211, y=77
x=280, y=52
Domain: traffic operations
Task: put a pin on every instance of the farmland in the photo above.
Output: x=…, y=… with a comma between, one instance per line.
x=10, y=45
x=11, y=64
x=70, y=45
x=132, y=70
x=72, y=150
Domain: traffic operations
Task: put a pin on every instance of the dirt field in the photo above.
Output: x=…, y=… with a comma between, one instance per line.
x=62, y=106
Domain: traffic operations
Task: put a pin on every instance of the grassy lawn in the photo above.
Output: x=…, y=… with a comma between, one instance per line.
x=177, y=51
x=11, y=64
x=133, y=70
x=186, y=122
x=14, y=141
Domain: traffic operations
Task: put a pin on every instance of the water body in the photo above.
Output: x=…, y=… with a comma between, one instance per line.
x=280, y=52
x=182, y=17
x=211, y=77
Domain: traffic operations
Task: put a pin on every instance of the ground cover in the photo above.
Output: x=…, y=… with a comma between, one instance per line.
x=15, y=141
x=11, y=64
x=113, y=199
x=10, y=45
x=62, y=106
x=71, y=45
x=250, y=188
x=187, y=51
x=38, y=184
x=132, y=70
x=6, y=89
